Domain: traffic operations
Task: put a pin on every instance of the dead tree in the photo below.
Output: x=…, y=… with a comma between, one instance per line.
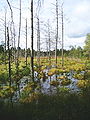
x=56, y=32
x=5, y=38
x=32, y=51
x=11, y=25
x=62, y=36
x=38, y=31
x=38, y=41
x=18, y=40
x=9, y=57
x=14, y=36
x=9, y=65
x=47, y=47
x=49, y=43
x=26, y=44
x=32, y=39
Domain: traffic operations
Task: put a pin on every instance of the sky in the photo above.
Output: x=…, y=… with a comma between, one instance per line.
x=76, y=20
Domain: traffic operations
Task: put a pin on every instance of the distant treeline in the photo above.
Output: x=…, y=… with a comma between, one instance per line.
x=73, y=52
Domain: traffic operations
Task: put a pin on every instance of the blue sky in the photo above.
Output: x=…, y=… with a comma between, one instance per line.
x=76, y=19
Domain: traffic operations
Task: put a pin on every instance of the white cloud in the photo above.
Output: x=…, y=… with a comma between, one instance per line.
x=82, y=8
x=74, y=42
x=80, y=20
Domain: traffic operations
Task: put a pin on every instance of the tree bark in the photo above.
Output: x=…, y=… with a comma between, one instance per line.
x=49, y=41
x=18, y=40
x=62, y=39
x=56, y=32
x=9, y=56
x=38, y=42
x=32, y=51
x=26, y=44
x=5, y=38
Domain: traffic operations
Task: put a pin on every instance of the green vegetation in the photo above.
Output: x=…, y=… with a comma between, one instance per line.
x=59, y=102
x=87, y=44
x=43, y=85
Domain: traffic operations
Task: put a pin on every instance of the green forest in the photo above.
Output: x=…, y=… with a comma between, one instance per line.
x=43, y=84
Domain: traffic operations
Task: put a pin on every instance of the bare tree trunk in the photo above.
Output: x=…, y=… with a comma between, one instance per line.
x=49, y=41
x=11, y=41
x=56, y=32
x=62, y=39
x=5, y=37
x=19, y=40
x=38, y=42
x=14, y=44
x=26, y=43
x=11, y=24
x=38, y=31
x=9, y=56
x=9, y=65
x=32, y=51
x=47, y=48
